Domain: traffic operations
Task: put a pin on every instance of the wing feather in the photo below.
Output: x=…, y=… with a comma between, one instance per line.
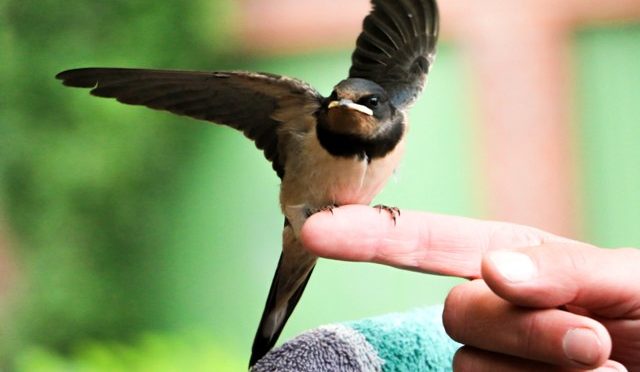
x=242, y=100
x=397, y=47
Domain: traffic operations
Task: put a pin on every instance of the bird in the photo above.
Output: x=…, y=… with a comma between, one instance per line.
x=327, y=151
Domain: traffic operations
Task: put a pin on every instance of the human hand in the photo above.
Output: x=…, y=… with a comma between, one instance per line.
x=536, y=301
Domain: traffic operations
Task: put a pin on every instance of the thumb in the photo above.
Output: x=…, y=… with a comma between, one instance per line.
x=603, y=281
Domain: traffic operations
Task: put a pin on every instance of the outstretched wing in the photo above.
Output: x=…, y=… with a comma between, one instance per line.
x=397, y=47
x=242, y=100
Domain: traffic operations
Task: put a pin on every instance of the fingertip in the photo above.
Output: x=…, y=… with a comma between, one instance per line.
x=461, y=360
x=314, y=233
x=587, y=345
x=612, y=366
x=505, y=271
x=508, y=267
x=477, y=360
x=511, y=266
x=515, y=276
x=555, y=274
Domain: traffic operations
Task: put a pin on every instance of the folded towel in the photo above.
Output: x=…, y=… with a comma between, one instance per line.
x=410, y=341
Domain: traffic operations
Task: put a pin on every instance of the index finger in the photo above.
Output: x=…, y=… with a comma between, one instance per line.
x=420, y=241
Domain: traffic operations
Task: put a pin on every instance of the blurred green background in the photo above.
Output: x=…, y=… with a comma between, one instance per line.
x=146, y=241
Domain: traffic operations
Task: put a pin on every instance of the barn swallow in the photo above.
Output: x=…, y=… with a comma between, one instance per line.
x=327, y=151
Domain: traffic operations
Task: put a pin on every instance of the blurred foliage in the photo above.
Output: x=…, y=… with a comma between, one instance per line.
x=152, y=352
x=83, y=192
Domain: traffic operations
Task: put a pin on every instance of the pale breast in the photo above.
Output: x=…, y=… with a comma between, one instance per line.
x=314, y=179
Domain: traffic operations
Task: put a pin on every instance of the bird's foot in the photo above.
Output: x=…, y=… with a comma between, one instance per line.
x=329, y=207
x=393, y=211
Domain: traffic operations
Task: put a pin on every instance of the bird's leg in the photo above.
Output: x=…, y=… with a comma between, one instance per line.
x=393, y=211
x=328, y=207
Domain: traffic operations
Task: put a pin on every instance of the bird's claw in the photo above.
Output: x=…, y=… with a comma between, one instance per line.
x=329, y=207
x=393, y=211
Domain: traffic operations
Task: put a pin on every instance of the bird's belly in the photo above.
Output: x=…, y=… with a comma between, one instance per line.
x=345, y=182
x=325, y=180
x=339, y=181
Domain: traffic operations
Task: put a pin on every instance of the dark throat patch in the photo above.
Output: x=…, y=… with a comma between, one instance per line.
x=350, y=145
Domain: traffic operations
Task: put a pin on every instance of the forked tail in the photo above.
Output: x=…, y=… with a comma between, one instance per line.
x=294, y=269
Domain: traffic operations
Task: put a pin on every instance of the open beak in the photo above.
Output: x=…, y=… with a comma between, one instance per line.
x=352, y=105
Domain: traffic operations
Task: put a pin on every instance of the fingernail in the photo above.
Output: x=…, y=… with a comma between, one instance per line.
x=582, y=345
x=513, y=266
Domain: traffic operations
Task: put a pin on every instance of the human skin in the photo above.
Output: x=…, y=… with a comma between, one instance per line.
x=534, y=301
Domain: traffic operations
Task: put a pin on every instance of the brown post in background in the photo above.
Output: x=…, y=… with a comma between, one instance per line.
x=518, y=53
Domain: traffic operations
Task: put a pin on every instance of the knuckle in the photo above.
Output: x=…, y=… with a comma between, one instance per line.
x=456, y=310
x=529, y=336
x=453, y=306
x=462, y=361
x=507, y=235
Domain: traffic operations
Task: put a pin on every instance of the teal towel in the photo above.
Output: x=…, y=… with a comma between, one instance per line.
x=412, y=341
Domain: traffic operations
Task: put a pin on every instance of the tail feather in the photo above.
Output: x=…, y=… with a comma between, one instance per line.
x=274, y=318
x=292, y=274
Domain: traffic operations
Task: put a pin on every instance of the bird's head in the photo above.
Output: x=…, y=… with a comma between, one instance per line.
x=358, y=107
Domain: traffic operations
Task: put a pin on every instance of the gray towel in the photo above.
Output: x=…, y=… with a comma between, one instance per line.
x=411, y=341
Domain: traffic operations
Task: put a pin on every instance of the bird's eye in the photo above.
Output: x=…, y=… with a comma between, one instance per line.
x=372, y=101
